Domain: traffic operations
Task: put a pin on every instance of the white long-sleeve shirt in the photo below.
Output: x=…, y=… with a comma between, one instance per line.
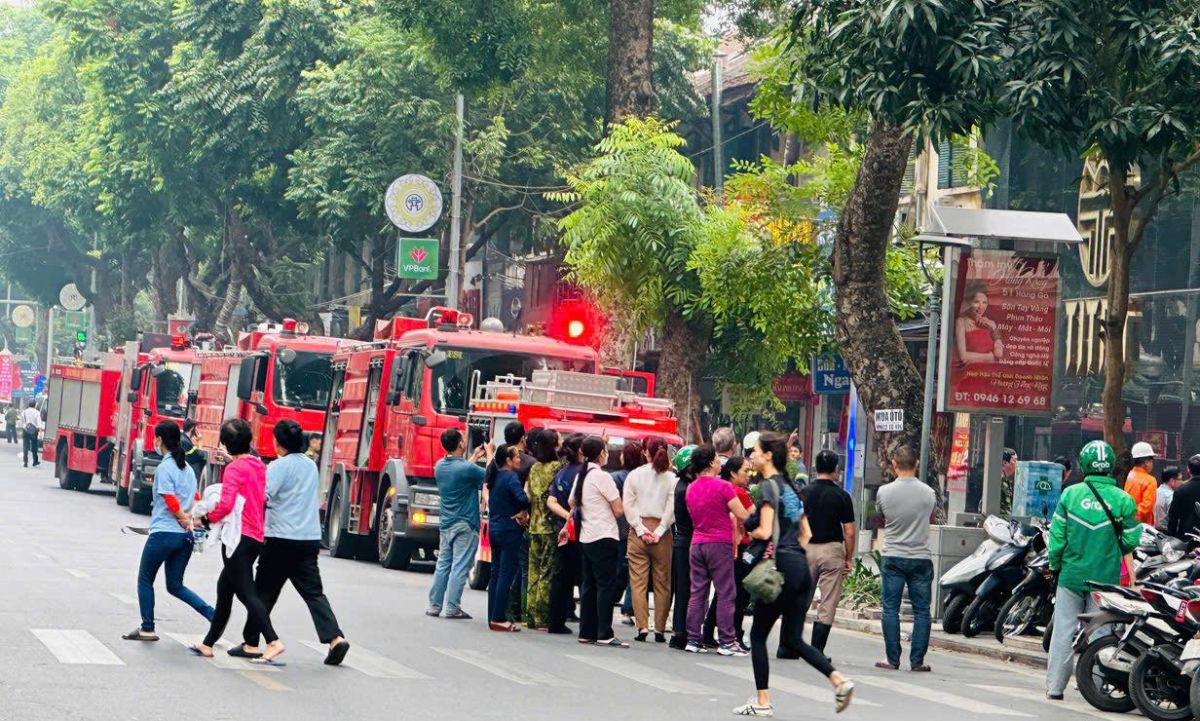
x=32, y=417
x=649, y=494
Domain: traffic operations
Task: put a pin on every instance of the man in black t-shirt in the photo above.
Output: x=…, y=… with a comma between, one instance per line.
x=830, y=512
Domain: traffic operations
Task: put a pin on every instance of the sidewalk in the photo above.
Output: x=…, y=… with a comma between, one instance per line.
x=1026, y=651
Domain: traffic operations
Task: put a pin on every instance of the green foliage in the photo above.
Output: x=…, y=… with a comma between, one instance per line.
x=863, y=586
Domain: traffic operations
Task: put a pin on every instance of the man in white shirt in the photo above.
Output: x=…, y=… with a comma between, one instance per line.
x=1166, y=492
x=32, y=423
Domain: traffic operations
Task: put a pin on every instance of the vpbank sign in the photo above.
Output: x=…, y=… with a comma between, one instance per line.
x=417, y=259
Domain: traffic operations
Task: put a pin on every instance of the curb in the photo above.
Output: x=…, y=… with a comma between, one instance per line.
x=948, y=643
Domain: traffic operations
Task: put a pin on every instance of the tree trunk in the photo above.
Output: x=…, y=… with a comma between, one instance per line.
x=882, y=370
x=684, y=346
x=1124, y=243
x=630, y=87
x=233, y=292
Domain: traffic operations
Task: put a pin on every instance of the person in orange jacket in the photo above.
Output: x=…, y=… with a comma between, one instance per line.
x=1141, y=483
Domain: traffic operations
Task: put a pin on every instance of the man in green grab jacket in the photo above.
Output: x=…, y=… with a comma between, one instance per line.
x=1085, y=546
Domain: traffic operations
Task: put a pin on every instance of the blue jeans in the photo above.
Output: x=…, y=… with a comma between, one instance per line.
x=172, y=550
x=456, y=555
x=506, y=556
x=917, y=575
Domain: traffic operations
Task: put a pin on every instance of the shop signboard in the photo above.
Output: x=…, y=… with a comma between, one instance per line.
x=7, y=365
x=791, y=387
x=417, y=258
x=1002, y=333
x=1036, y=488
x=960, y=445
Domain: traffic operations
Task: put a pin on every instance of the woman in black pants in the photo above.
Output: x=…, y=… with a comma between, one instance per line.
x=779, y=504
x=596, y=498
x=681, y=533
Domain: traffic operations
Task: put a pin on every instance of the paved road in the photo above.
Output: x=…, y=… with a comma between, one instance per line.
x=67, y=593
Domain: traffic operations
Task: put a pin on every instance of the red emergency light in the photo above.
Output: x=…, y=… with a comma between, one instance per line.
x=289, y=326
x=179, y=342
x=439, y=316
x=576, y=321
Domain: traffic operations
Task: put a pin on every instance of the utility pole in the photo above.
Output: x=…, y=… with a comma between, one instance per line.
x=454, y=276
x=49, y=338
x=718, y=159
x=91, y=336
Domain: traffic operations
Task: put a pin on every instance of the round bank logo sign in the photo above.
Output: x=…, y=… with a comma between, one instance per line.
x=413, y=203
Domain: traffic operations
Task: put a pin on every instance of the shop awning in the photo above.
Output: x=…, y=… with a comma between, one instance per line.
x=1016, y=224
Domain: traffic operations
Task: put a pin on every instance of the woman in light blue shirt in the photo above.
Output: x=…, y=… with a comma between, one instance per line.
x=170, y=541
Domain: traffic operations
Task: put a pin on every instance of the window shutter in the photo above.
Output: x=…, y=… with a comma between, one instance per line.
x=945, y=159
x=910, y=172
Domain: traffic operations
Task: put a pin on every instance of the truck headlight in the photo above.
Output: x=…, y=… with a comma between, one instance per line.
x=431, y=500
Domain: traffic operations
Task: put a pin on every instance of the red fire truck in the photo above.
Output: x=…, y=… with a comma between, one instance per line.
x=158, y=382
x=272, y=375
x=389, y=405
x=595, y=405
x=81, y=421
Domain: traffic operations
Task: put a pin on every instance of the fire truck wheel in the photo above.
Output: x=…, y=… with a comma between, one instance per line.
x=478, y=576
x=61, y=471
x=80, y=481
x=341, y=543
x=139, y=503
x=122, y=495
x=394, y=553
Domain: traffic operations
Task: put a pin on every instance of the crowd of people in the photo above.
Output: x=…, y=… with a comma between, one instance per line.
x=711, y=536
x=258, y=513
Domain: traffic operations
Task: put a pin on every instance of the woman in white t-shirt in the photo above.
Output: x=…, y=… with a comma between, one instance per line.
x=598, y=501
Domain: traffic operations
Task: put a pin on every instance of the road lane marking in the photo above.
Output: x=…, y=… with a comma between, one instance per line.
x=370, y=663
x=76, y=573
x=124, y=598
x=786, y=685
x=221, y=658
x=266, y=682
x=648, y=675
x=1040, y=697
x=938, y=696
x=504, y=668
x=76, y=647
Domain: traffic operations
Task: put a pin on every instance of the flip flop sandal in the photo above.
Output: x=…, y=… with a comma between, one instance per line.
x=264, y=661
x=337, y=654
x=195, y=651
x=136, y=635
x=613, y=643
x=239, y=651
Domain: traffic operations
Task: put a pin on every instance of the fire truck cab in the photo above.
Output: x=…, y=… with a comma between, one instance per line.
x=274, y=374
x=390, y=403
x=594, y=405
x=81, y=421
x=159, y=376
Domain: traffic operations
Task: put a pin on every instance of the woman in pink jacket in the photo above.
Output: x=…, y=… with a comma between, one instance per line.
x=245, y=476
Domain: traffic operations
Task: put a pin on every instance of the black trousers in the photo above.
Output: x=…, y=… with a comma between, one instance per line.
x=12, y=432
x=237, y=579
x=791, y=605
x=681, y=585
x=562, y=584
x=739, y=606
x=31, y=446
x=601, y=589
x=284, y=560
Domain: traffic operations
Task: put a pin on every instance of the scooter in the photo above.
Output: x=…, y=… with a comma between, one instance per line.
x=1031, y=604
x=1005, y=569
x=1158, y=684
x=961, y=581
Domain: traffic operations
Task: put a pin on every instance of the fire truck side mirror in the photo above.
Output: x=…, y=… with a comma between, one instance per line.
x=435, y=359
x=246, y=377
x=132, y=397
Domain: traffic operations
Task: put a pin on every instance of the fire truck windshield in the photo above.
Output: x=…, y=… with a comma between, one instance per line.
x=171, y=389
x=452, y=379
x=303, y=383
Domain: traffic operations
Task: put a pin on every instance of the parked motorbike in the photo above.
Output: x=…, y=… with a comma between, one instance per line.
x=1157, y=683
x=961, y=581
x=1005, y=569
x=1032, y=601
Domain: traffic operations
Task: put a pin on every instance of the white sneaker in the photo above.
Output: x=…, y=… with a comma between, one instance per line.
x=694, y=647
x=753, y=709
x=734, y=649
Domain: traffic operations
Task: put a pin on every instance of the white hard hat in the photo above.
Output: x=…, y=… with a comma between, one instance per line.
x=751, y=439
x=1141, y=449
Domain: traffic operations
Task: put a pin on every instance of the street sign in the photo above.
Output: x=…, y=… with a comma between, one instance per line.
x=889, y=420
x=830, y=376
x=70, y=297
x=417, y=258
x=23, y=316
x=413, y=203
x=75, y=321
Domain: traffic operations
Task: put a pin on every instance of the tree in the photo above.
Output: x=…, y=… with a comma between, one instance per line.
x=1115, y=82
x=630, y=51
x=914, y=70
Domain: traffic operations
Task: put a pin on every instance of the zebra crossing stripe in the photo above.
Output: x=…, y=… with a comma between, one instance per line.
x=76, y=647
x=647, y=675
x=370, y=663
x=939, y=696
x=221, y=658
x=1040, y=697
x=504, y=668
x=787, y=685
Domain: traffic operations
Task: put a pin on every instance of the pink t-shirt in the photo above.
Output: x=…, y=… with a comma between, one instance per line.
x=708, y=500
x=247, y=477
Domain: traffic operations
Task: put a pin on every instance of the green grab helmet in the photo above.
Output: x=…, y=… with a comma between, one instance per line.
x=683, y=457
x=1097, y=459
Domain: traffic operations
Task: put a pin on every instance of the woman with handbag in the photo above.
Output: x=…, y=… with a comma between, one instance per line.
x=780, y=581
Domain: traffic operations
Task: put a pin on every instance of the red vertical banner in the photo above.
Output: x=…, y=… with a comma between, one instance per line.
x=6, y=375
x=1002, y=333
x=960, y=440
